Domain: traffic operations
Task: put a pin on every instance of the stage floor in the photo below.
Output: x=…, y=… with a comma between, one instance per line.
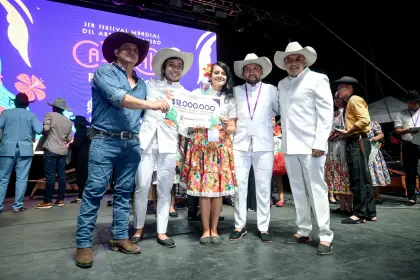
x=40, y=244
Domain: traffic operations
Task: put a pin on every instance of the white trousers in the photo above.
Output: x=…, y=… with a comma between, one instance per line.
x=306, y=177
x=262, y=162
x=166, y=164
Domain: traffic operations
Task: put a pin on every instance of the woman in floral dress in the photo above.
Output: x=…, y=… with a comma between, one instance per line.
x=208, y=169
x=279, y=168
x=336, y=167
x=377, y=165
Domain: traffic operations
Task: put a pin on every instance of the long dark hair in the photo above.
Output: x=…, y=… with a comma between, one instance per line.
x=228, y=87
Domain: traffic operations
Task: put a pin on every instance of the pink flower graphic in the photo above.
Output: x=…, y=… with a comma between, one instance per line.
x=33, y=87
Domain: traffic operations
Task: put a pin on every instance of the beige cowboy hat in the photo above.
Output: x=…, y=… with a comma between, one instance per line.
x=60, y=103
x=165, y=53
x=252, y=58
x=295, y=48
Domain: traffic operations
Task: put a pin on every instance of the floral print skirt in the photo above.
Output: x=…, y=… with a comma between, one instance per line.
x=379, y=171
x=208, y=169
x=337, y=174
x=279, y=167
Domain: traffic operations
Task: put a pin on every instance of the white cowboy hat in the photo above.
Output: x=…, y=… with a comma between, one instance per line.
x=252, y=58
x=165, y=53
x=295, y=48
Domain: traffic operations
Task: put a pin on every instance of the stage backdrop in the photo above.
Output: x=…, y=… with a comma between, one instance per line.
x=50, y=50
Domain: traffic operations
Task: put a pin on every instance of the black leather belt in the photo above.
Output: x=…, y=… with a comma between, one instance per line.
x=122, y=135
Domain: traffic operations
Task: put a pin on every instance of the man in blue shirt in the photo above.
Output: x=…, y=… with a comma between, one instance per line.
x=118, y=98
x=19, y=127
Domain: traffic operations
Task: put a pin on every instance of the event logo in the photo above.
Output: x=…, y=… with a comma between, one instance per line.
x=18, y=30
x=88, y=54
x=204, y=58
x=146, y=66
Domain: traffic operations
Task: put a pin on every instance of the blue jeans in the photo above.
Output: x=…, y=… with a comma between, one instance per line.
x=23, y=165
x=105, y=154
x=54, y=164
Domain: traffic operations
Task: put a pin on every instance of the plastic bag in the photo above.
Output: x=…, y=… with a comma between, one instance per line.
x=374, y=152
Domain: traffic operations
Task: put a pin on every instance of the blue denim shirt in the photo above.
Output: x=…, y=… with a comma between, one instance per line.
x=19, y=127
x=109, y=87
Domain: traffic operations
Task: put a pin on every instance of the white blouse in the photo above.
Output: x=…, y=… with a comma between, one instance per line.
x=227, y=106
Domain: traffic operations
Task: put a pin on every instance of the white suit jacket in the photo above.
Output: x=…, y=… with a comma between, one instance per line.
x=154, y=121
x=306, y=109
x=267, y=107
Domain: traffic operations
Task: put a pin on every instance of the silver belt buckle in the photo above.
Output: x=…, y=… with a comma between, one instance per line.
x=125, y=136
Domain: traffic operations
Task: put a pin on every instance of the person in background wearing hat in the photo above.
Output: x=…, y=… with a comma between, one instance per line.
x=406, y=124
x=18, y=128
x=58, y=133
x=117, y=102
x=159, y=143
x=253, y=145
x=306, y=109
x=358, y=146
x=80, y=153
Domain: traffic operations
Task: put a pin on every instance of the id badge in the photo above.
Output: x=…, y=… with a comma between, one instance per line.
x=250, y=128
x=213, y=135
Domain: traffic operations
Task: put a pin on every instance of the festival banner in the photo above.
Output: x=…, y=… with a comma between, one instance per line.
x=50, y=50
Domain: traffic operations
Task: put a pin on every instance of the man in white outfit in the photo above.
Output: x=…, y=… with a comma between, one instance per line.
x=306, y=109
x=256, y=104
x=159, y=143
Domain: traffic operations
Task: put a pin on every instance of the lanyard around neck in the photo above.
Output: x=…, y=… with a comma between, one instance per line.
x=256, y=101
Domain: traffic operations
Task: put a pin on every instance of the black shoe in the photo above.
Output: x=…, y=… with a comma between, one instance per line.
x=297, y=240
x=350, y=221
x=236, y=235
x=411, y=203
x=215, y=240
x=265, y=237
x=324, y=249
x=168, y=243
x=17, y=210
x=206, y=241
x=136, y=239
x=173, y=214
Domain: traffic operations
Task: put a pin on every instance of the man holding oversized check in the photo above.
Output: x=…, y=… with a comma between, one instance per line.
x=208, y=170
x=159, y=141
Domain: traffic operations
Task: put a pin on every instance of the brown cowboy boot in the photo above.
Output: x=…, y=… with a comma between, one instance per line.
x=124, y=246
x=84, y=258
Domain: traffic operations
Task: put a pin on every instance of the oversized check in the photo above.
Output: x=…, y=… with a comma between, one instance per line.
x=193, y=109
